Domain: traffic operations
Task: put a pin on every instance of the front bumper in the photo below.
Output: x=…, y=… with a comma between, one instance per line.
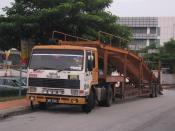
x=71, y=100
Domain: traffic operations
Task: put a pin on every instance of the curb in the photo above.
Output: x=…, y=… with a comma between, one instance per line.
x=14, y=111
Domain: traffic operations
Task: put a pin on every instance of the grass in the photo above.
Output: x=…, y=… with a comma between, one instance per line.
x=3, y=99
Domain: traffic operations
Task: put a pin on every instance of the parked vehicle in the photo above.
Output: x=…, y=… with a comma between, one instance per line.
x=2, y=58
x=77, y=73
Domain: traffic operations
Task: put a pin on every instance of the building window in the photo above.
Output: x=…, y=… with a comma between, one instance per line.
x=137, y=44
x=139, y=30
x=153, y=30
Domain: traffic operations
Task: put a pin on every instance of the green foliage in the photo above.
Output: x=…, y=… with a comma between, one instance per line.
x=169, y=47
x=152, y=60
x=8, y=35
x=5, y=92
x=9, y=98
x=37, y=19
x=166, y=56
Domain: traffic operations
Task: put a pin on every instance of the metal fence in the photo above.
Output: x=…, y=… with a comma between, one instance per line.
x=13, y=76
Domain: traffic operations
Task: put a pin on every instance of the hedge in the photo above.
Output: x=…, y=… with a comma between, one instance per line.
x=5, y=92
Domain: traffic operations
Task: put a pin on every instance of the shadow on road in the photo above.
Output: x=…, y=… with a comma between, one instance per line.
x=67, y=109
x=75, y=109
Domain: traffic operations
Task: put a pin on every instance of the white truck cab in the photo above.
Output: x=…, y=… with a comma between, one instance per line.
x=62, y=74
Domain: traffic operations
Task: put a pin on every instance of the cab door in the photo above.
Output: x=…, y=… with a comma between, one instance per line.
x=92, y=59
x=95, y=68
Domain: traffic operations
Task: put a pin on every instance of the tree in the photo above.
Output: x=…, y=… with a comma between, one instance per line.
x=169, y=47
x=37, y=19
x=166, y=56
x=8, y=35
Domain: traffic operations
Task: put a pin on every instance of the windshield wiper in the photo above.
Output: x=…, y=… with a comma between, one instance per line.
x=65, y=69
x=43, y=68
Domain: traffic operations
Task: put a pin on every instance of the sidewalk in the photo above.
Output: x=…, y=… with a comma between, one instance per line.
x=13, y=107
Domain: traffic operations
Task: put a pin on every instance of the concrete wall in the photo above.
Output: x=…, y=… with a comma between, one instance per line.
x=167, y=28
x=168, y=78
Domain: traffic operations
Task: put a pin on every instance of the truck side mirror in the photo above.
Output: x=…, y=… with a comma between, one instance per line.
x=89, y=63
x=90, y=66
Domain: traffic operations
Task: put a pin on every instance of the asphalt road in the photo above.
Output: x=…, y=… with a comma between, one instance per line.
x=143, y=114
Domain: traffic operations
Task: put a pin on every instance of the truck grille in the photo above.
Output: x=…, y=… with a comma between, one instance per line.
x=54, y=83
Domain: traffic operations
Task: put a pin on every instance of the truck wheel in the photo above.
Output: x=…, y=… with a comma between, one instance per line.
x=156, y=90
x=90, y=103
x=31, y=105
x=42, y=105
x=109, y=98
x=101, y=103
x=152, y=95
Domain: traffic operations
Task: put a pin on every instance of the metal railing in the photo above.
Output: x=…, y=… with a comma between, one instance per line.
x=13, y=76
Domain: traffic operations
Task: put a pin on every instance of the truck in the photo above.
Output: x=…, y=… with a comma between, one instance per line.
x=2, y=57
x=81, y=72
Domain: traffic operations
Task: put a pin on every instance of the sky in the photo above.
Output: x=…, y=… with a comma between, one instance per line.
x=4, y=3
x=143, y=7
x=132, y=7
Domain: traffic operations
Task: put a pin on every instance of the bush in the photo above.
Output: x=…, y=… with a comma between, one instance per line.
x=5, y=92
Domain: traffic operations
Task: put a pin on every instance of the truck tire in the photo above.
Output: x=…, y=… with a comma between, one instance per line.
x=31, y=105
x=152, y=94
x=90, y=103
x=109, y=98
x=42, y=105
x=156, y=91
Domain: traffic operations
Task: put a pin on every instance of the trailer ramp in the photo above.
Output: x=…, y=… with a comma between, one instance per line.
x=141, y=80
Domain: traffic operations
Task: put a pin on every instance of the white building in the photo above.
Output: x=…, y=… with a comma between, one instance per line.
x=149, y=30
x=167, y=28
x=145, y=31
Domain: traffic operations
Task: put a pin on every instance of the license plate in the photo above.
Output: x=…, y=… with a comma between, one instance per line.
x=52, y=100
x=58, y=91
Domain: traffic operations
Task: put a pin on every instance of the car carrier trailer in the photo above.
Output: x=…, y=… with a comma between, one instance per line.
x=78, y=72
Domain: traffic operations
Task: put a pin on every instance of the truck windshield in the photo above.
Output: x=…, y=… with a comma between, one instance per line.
x=71, y=60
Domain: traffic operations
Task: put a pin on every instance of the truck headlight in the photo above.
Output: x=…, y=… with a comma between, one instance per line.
x=75, y=92
x=86, y=86
x=44, y=91
x=73, y=77
x=49, y=92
